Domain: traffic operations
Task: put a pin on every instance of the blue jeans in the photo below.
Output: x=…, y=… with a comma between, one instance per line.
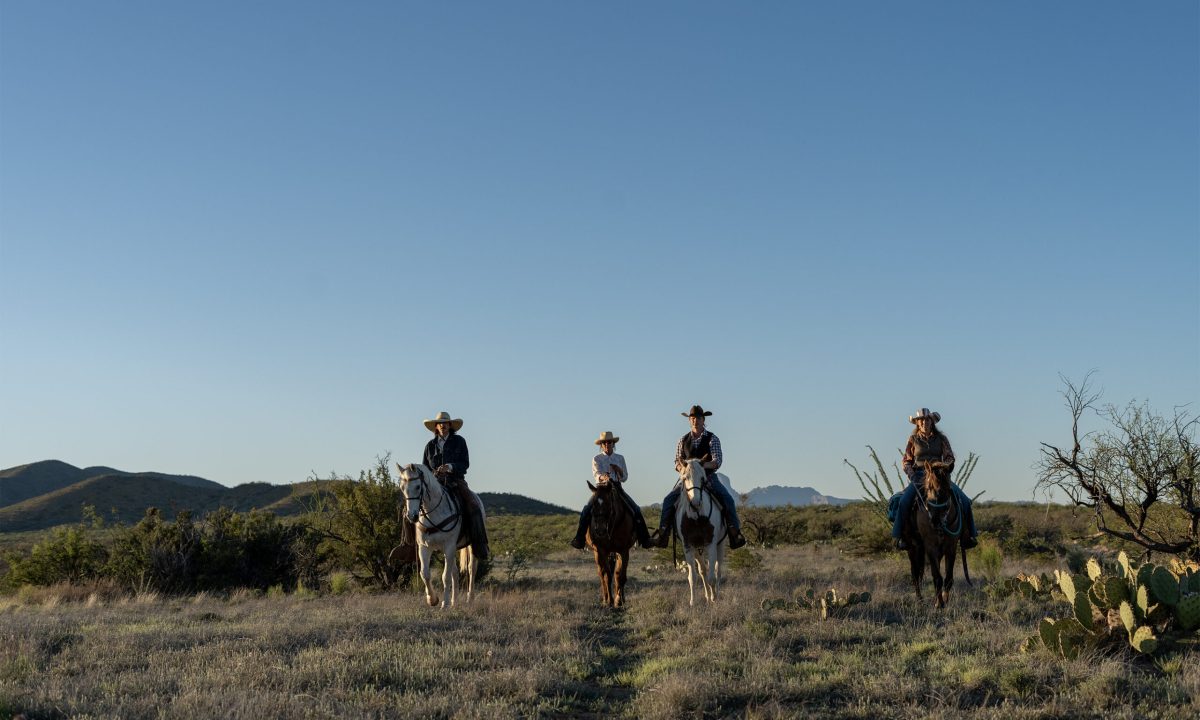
x=718, y=488
x=910, y=496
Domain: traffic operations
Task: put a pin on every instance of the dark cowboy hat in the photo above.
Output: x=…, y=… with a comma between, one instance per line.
x=696, y=411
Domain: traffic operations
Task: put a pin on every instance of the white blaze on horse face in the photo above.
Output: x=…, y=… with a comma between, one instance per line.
x=412, y=500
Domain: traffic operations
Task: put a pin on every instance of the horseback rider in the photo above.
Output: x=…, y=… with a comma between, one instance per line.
x=609, y=467
x=703, y=445
x=446, y=454
x=927, y=444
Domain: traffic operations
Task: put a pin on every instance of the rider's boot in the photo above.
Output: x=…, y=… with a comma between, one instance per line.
x=661, y=537
x=901, y=544
x=736, y=539
x=580, y=539
x=968, y=542
x=643, y=533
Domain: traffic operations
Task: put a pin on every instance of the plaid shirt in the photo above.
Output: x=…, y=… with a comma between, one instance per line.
x=714, y=448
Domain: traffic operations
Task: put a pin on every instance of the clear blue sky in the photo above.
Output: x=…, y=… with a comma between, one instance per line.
x=252, y=241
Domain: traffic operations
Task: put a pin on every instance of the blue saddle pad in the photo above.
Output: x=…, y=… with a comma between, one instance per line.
x=893, y=507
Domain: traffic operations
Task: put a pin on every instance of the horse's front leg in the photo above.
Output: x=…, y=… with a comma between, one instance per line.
x=689, y=557
x=916, y=563
x=425, y=555
x=948, y=558
x=450, y=575
x=621, y=571
x=717, y=558
x=935, y=570
x=702, y=570
x=602, y=572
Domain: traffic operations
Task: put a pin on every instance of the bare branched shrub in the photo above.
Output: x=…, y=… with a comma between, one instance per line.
x=1138, y=475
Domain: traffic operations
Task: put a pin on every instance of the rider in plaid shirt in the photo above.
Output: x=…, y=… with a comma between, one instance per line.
x=703, y=445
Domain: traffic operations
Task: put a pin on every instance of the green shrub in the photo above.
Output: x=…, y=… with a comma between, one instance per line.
x=69, y=554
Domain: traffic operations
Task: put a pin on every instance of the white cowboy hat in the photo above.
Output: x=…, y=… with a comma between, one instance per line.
x=444, y=416
x=925, y=414
x=607, y=436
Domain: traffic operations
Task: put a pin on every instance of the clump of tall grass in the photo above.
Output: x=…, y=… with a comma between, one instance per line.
x=339, y=583
x=990, y=558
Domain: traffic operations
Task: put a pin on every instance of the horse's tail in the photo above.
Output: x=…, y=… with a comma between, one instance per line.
x=966, y=573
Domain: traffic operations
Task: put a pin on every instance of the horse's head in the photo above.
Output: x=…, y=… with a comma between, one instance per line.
x=413, y=483
x=935, y=486
x=691, y=475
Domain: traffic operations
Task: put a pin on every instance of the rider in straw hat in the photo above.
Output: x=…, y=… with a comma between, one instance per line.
x=446, y=454
x=702, y=445
x=608, y=466
x=928, y=444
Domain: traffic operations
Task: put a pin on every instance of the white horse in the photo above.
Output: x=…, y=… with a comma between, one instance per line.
x=701, y=524
x=441, y=525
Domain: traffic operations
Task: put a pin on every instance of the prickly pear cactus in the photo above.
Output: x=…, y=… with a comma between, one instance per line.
x=1146, y=608
x=828, y=604
x=1143, y=640
x=1165, y=586
x=1188, y=612
x=1128, y=619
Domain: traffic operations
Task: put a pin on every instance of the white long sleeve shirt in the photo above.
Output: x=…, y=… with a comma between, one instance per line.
x=602, y=465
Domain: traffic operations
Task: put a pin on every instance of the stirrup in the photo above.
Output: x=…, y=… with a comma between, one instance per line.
x=736, y=539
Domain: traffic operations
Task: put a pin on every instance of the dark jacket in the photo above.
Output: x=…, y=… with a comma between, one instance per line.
x=454, y=454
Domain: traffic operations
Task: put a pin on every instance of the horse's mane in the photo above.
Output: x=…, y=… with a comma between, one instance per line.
x=934, y=486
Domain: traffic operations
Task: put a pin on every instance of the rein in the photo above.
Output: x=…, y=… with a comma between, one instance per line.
x=446, y=525
x=951, y=502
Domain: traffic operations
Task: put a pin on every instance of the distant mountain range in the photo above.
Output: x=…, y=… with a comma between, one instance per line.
x=51, y=492
x=776, y=495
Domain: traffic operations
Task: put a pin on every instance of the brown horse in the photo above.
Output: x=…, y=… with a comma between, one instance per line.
x=932, y=534
x=611, y=536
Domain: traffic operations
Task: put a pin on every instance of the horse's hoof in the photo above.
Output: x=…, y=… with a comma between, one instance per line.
x=432, y=602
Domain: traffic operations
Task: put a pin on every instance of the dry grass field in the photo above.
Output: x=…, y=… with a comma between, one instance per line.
x=536, y=643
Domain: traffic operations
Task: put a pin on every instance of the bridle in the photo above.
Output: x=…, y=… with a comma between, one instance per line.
x=424, y=513
x=929, y=506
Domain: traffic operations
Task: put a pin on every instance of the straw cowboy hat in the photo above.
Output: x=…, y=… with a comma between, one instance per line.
x=696, y=411
x=607, y=436
x=444, y=416
x=925, y=414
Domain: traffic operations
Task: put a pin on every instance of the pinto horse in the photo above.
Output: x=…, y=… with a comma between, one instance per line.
x=701, y=524
x=932, y=534
x=611, y=536
x=440, y=525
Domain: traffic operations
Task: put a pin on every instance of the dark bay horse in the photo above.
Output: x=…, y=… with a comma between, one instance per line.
x=611, y=536
x=932, y=534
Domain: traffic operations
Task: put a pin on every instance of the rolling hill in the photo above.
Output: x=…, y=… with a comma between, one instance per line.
x=50, y=493
x=23, y=482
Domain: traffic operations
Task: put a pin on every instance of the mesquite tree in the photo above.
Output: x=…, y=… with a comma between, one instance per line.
x=1138, y=475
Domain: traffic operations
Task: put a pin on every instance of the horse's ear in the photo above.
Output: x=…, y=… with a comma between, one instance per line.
x=590, y=485
x=679, y=466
